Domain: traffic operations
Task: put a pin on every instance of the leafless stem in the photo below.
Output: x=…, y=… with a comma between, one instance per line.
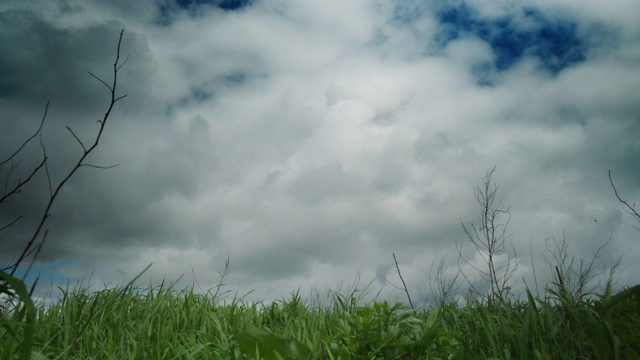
x=489, y=238
x=86, y=152
x=9, y=191
x=79, y=141
x=442, y=286
x=100, y=167
x=630, y=209
x=403, y=283
x=29, y=139
x=570, y=275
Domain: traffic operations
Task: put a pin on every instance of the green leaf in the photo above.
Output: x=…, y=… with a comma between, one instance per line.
x=21, y=290
x=431, y=320
x=344, y=353
x=254, y=343
x=267, y=345
x=36, y=355
x=298, y=350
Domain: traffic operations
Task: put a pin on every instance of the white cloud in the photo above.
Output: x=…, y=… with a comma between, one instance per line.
x=309, y=141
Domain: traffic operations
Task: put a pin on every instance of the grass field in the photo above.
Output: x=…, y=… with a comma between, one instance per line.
x=161, y=323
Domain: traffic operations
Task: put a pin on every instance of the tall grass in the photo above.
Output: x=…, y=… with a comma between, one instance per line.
x=162, y=323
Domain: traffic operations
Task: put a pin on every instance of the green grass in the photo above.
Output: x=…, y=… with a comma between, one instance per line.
x=162, y=323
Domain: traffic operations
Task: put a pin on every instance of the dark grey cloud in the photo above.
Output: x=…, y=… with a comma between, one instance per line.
x=53, y=58
x=42, y=63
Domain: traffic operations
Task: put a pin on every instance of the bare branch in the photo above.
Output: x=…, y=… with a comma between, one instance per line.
x=442, y=286
x=17, y=188
x=100, y=167
x=79, y=141
x=37, y=249
x=21, y=183
x=11, y=223
x=124, y=62
x=403, y=283
x=489, y=238
x=571, y=276
x=46, y=109
x=103, y=83
x=80, y=162
x=472, y=287
x=631, y=210
x=46, y=164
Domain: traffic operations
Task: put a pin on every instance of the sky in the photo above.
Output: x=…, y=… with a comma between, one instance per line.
x=310, y=141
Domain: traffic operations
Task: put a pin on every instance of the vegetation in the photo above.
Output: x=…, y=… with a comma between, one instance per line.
x=161, y=323
x=570, y=321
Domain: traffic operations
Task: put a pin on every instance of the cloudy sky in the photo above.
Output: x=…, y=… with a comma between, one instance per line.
x=308, y=141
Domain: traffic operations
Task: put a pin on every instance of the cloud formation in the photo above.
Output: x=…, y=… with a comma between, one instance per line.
x=308, y=141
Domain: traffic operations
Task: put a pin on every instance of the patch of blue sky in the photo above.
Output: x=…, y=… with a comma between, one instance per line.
x=45, y=273
x=235, y=78
x=199, y=94
x=194, y=7
x=206, y=91
x=228, y=5
x=555, y=42
x=241, y=78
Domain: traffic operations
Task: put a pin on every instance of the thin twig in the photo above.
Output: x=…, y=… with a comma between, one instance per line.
x=21, y=183
x=79, y=163
x=79, y=141
x=46, y=108
x=11, y=223
x=103, y=83
x=403, y=283
x=631, y=210
x=100, y=166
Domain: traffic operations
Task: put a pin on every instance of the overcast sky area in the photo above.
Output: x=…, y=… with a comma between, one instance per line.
x=308, y=141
